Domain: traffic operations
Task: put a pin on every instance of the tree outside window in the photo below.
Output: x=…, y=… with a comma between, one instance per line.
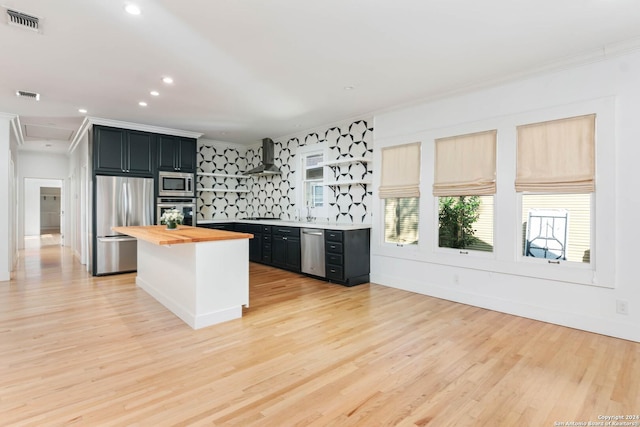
x=466, y=222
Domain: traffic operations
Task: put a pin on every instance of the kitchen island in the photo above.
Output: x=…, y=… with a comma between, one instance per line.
x=200, y=275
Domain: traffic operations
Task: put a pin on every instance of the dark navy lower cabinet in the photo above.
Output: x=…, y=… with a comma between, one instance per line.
x=227, y=226
x=286, y=247
x=347, y=256
x=255, y=244
x=346, y=251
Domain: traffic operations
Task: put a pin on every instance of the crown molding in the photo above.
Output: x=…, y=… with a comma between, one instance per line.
x=17, y=128
x=606, y=52
x=80, y=133
x=144, y=128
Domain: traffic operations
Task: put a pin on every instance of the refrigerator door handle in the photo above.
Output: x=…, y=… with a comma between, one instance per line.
x=125, y=195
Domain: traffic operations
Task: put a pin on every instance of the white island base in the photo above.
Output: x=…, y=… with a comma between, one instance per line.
x=202, y=283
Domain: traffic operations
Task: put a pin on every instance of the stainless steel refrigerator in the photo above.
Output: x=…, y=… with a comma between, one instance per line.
x=120, y=201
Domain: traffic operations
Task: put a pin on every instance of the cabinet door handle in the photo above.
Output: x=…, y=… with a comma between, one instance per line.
x=284, y=238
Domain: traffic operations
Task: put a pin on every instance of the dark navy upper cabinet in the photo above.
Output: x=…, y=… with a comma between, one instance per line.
x=176, y=153
x=140, y=152
x=122, y=151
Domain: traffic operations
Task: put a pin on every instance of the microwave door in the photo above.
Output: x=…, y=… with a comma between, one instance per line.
x=173, y=184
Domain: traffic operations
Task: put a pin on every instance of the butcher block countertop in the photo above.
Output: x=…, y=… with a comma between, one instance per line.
x=159, y=234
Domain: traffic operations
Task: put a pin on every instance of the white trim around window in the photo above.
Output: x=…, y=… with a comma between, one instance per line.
x=506, y=257
x=321, y=213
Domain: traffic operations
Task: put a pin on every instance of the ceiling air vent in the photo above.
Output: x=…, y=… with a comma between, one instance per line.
x=28, y=95
x=23, y=20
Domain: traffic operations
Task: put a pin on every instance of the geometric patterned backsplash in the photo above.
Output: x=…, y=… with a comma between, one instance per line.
x=275, y=195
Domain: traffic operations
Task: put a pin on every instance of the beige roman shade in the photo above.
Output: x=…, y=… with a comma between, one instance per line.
x=465, y=165
x=557, y=156
x=400, y=172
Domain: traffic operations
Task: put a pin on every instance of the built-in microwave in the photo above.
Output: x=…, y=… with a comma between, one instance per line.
x=175, y=184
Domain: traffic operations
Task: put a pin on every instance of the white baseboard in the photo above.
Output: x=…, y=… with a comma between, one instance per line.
x=196, y=322
x=610, y=327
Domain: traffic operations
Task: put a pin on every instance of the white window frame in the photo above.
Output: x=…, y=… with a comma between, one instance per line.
x=572, y=264
x=507, y=256
x=600, y=271
x=320, y=213
x=384, y=225
x=457, y=251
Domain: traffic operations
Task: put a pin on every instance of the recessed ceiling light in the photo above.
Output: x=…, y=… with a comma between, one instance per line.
x=132, y=9
x=47, y=145
x=154, y=93
x=82, y=110
x=168, y=80
x=349, y=88
x=142, y=104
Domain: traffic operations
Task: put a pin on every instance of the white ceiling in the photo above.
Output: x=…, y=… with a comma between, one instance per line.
x=248, y=69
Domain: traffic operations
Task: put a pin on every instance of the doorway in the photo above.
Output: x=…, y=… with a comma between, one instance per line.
x=43, y=212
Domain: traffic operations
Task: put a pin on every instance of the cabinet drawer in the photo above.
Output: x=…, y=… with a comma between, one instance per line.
x=332, y=235
x=333, y=247
x=266, y=229
x=266, y=247
x=334, y=272
x=248, y=228
x=266, y=238
x=266, y=256
x=228, y=227
x=285, y=231
x=335, y=259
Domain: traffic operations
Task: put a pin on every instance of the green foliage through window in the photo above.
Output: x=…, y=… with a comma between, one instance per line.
x=457, y=216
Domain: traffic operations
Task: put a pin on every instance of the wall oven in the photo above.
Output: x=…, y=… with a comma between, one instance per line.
x=175, y=184
x=185, y=205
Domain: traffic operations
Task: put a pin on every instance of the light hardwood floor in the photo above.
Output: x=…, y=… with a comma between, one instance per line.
x=77, y=350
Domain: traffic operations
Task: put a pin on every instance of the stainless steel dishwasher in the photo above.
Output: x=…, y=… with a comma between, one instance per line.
x=312, y=243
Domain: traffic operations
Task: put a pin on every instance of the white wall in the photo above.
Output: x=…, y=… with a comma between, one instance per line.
x=5, y=194
x=36, y=165
x=78, y=200
x=580, y=298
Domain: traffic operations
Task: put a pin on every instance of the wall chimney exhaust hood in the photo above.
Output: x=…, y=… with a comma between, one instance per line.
x=266, y=167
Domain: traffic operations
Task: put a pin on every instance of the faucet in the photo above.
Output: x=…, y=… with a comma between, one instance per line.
x=310, y=218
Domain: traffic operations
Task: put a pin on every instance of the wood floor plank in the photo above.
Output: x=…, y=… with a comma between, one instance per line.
x=80, y=350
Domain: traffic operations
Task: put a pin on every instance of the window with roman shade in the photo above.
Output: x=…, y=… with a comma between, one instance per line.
x=400, y=172
x=557, y=156
x=400, y=190
x=555, y=170
x=466, y=165
x=464, y=183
